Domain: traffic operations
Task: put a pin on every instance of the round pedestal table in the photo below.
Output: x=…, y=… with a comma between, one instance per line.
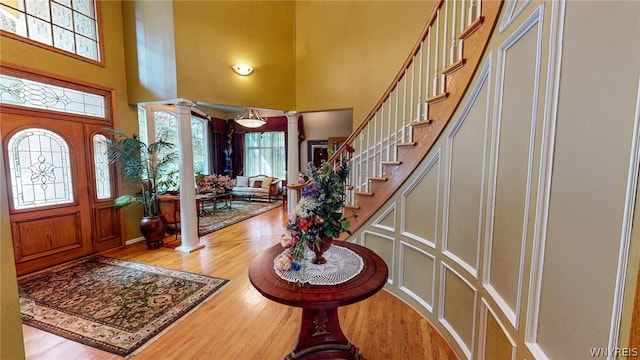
x=320, y=334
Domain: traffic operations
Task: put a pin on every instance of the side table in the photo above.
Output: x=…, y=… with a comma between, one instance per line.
x=320, y=334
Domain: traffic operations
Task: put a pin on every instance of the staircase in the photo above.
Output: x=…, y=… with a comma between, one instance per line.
x=403, y=126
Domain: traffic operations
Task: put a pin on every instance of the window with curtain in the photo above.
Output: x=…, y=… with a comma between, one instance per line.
x=264, y=154
x=68, y=25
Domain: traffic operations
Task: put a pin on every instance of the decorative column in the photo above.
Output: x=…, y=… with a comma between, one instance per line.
x=293, y=149
x=188, y=215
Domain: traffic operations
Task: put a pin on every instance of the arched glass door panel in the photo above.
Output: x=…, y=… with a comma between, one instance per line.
x=39, y=168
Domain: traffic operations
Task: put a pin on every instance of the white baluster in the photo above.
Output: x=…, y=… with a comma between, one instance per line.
x=360, y=161
x=471, y=11
x=444, y=34
x=389, y=128
x=429, y=50
x=419, y=83
x=435, y=58
x=413, y=77
x=454, y=41
x=404, y=105
x=395, y=120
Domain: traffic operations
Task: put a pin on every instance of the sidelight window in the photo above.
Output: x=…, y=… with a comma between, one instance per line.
x=102, y=168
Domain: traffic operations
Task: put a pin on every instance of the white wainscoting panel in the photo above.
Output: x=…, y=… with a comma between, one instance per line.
x=515, y=153
x=494, y=341
x=420, y=204
x=464, y=177
x=384, y=246
x=386, y=220
x=457, y=309
x=417, y=274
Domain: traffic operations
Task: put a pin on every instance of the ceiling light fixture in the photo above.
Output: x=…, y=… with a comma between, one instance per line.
x=251, y=119
x=242, y=69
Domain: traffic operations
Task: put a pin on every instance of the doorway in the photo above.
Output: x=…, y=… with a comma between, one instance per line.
x=52, y=214
x=59, y=184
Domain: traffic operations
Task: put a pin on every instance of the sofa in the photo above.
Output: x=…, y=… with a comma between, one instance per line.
x=259, y=186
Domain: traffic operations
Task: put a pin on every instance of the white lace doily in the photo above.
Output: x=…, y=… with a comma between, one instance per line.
x=341, y=266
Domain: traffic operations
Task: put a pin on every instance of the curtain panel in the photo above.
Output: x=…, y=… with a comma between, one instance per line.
x=218, y=135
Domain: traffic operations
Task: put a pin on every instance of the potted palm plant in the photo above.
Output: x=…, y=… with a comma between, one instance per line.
x=143, y=165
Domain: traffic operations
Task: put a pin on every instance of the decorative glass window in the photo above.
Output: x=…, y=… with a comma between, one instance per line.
x=101, y=166
x=264, y=154
x=39, y=95
x=39, y=168
x=69, y=25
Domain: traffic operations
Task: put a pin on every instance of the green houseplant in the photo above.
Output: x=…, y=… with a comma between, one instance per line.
x=143, y=165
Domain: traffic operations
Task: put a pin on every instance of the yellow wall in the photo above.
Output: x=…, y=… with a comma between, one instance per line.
x=111, y=76
x=188, y=53
x=348, y=52
x=307, y=55
x=149, y=50
x=213, y=35
x=11, y=342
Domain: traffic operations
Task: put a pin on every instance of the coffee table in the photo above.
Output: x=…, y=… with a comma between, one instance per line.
x=201, y=199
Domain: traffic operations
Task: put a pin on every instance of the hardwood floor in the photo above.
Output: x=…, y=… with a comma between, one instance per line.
x=239, y=323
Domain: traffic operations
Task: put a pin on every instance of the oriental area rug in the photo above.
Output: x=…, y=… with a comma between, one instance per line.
x=110, y=304
x=239, y=210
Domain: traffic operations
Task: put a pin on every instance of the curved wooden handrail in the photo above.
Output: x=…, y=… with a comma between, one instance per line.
x=394, y=83
x=441, y=107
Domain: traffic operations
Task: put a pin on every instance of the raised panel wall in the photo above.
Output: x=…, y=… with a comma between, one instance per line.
x=514, y=159
x=417, y=274
x=466, y=167
x=423, y=193
x=523, y=210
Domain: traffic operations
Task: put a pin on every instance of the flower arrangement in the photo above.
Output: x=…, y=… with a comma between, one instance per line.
x=214, y=183
x=318, y=214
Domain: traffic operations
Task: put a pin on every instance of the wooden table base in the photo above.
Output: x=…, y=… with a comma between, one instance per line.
x=321, y=337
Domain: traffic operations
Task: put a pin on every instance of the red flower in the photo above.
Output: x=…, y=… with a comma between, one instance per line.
x=349, y=148
x=304, y=224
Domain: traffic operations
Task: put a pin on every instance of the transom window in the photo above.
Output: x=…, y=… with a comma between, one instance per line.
x=40, y=169
x=39, y=95
x=69, y=25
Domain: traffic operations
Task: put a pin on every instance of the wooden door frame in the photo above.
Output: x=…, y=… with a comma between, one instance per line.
x=91, y=126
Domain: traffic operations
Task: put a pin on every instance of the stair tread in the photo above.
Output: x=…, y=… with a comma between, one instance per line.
x=364, y=193
x=422, y=122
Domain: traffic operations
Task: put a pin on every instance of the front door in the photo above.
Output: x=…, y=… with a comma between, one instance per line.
x=48, y=189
